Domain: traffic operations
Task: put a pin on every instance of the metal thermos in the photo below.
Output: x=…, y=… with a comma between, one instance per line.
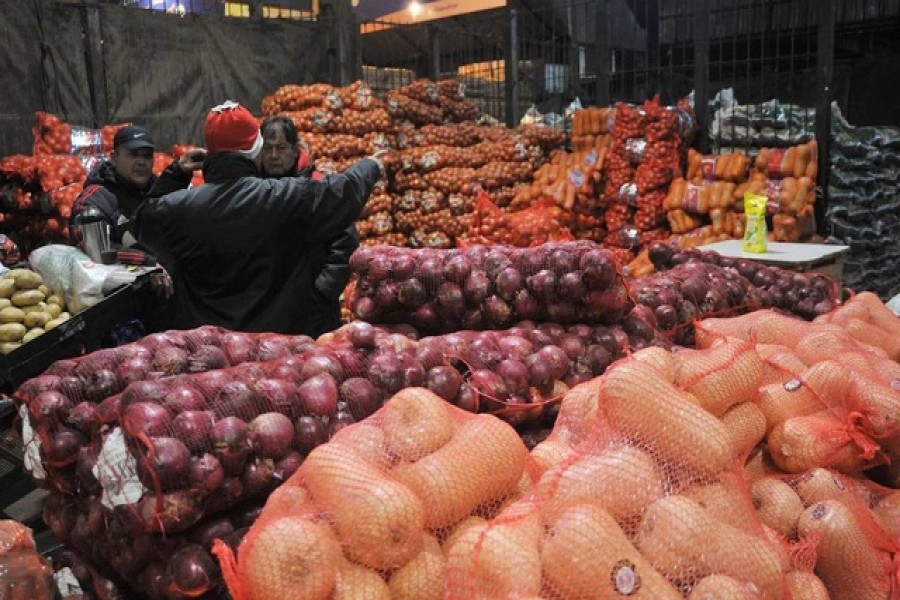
x=94, y=233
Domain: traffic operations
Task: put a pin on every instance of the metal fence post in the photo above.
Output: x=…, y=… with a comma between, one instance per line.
x=96, y=71
x=434, y=48
x=603, y=52
x=824, y=74
x=701, y=72
x=511, y=64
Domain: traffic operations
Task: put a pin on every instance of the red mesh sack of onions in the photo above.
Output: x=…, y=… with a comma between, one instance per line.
x=63, y=410
x=439, y=291
x=806, y=295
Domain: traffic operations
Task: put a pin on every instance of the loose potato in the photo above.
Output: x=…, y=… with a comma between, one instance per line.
x=54, y=299
x=4, y=302
x=7, y=287
x=54, y=310
x=7, y=347
x=32, y=333
x=26, y=279
x=56, y=322
x=39, y=307
x=45, y=290
x=36, y=319
x=11, y=314
x=12, y=332
x=27, y=298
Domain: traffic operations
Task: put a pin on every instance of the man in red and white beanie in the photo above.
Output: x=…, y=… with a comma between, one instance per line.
x=240, y=244
x=231, y=128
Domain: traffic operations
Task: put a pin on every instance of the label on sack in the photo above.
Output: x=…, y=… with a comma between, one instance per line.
x=691, y=202
x=590, y=158
x=429, y=159
x=116, y=470
x=773, y=193
x=66, y=583
x=708, y=167
x=32, y=458
x=628, y=194
x=576, y=177
x=364, y=96
x=86, y=141
x=333, y=100
x=634, y=150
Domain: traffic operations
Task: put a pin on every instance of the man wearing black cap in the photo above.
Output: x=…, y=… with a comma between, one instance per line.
x=118, y=186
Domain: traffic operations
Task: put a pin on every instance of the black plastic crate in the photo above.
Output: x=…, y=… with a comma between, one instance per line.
x=82, y=333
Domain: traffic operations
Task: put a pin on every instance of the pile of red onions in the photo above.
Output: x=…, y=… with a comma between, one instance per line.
x=440, y=291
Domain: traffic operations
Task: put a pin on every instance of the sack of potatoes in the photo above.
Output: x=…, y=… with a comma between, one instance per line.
x=28, y=308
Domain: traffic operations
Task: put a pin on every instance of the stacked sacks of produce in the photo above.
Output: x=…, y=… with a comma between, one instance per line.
x=573, y=182
x=37, y=192
x=538, y=224
x=437, y=183
x=655, y=475
x=387, y=496
x=28, y=309
x=864, y=206
x=439, y=291
x=787, y=177
x=806, y=295
x=706, y=198
x=84, y=426
x=645, y=156
x=591, y=127
x=788, y=415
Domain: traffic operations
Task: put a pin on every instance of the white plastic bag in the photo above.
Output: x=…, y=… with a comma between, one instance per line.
x=81, y=282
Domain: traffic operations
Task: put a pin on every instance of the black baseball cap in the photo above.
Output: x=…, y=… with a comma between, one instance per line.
x=132, y=137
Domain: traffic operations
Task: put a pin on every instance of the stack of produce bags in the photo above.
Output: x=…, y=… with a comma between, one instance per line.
x=735, y=468
x=864, y=206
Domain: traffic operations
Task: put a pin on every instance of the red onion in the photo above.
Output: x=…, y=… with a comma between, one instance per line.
x=539, y=370
x=145, y=391
x=182, y=397
x=542, y=284
x=271, y=435
x=133, y=369
x=361, y=396
x=352, y=360
x=386, y=296
x=598, y=359
x=193, y=428
x=386, y=372
x=515, y=375
x=494, y=262
x=147, y=418
x=526, y=305
x=429, y=354
x=239, y=347
x=318, y=395
x=207, y=358
x=208, y=532
x=288, y=465
x=170, y=461
x=107, y=358
x=477, y=287
x=514, y=346
x=101, y=384
x=497, y=312
x=170, y=360
x=598, y=269
x=237, y=399
x=309, y=432
x=473, y=319
x=426, y=318
x=444, y=381
x=231, y=442
x=259, y=477
x=60, y=368
x=279, y=395
x=365, y=308
x=322, y=363
x=467, y=399
x=192, y=571
x=359, y=260
x=50, y=406
x=206, y=474
x=272, y=348
x=490, y=385
x=340, y=420
x=450, y=302
x=361, y=334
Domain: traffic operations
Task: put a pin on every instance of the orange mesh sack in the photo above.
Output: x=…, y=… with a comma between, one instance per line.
x=538, y=224
x=366, y=514
x=644, y=499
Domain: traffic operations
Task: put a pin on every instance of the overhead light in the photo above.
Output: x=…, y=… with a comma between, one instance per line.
x=415, y=9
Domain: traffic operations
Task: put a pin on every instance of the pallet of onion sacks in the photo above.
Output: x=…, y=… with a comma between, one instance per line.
x=736, y=470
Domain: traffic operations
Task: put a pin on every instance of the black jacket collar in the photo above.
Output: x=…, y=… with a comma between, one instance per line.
x=220, y=167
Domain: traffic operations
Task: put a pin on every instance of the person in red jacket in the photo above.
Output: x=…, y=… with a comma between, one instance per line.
x=285, y=155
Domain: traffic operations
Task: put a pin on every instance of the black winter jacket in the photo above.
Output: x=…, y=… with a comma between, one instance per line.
x=118, y=200
x=241, y=245
x=333, y=263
